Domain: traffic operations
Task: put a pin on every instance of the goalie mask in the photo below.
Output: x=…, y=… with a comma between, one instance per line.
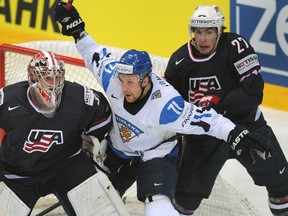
x=46, y=81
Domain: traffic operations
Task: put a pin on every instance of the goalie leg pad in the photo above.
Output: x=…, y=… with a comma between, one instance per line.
x=97, y=196
x=10, y=204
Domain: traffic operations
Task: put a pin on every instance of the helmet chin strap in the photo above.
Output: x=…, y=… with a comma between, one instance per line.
x=142, y=91
x=216, y=43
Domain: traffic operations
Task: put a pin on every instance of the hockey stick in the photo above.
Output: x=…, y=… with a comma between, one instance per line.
x=99, y=167
x=49, y=209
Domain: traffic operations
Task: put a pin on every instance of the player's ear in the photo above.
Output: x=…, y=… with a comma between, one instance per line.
x=145, y=81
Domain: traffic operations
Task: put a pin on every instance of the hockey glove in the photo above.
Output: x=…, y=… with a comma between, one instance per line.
x=70, y=20
x=209, y=100
x=249, y=145
x=95, y=150
x=213, y=99
x=93, y=147
x=88, y=146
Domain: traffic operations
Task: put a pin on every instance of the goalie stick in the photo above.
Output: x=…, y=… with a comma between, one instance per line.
x=49, y=209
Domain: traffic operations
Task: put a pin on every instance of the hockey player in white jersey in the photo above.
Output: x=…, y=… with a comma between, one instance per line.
x=147, y=115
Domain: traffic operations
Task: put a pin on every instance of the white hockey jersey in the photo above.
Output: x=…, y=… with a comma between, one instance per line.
x=164, y=114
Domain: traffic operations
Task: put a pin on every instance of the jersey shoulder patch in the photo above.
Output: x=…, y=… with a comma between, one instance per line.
x=172, y=110
x=243, y=55
x=88, y=96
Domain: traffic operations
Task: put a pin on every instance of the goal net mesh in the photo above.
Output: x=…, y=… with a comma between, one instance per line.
x=224, y=200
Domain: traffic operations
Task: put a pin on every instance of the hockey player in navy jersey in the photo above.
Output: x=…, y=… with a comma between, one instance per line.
x=147, y=114
x=43, y=119
x=221, y=70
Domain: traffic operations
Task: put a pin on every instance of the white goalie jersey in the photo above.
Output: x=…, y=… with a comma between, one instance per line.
x=164, y=114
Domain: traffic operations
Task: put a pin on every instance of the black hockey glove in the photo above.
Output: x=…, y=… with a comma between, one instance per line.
x=70, y=20
x=249, y=145
x=213, y=99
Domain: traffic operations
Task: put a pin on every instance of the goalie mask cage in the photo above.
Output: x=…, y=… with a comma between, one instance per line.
x=14, y=59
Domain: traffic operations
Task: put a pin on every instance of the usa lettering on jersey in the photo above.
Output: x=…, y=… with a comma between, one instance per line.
x=42, y=140
x=199, y=86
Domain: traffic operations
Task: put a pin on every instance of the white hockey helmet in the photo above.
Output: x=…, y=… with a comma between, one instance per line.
x=46, y=75
x=206, y=16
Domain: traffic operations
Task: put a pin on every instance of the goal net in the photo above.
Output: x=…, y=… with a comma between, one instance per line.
x=14, y=59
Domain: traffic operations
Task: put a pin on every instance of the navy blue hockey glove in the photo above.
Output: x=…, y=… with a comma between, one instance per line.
x=249, y=145
x=213, y=99
x=70, y=20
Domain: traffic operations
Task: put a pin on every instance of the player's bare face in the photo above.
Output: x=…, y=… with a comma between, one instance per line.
x=131, y=87
x=205, y=39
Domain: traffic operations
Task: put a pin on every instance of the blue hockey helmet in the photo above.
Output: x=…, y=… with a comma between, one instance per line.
x=135, y=62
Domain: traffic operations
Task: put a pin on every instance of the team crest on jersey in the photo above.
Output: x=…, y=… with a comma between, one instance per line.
x=1, y=96
x=156, y=94
x=199, y=86
x=42, y=140
x=127, y=130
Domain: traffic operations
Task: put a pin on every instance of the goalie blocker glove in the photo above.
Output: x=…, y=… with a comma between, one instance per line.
x=249, y=145
x=70, y=20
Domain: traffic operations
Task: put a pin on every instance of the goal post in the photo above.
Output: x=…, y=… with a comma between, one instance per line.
x=224, y=200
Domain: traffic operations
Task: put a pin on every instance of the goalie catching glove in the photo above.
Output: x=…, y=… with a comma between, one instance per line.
x=249, y=145
x=70, y=20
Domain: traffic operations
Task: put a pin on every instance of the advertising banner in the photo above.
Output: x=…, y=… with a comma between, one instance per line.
x=265, y=25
